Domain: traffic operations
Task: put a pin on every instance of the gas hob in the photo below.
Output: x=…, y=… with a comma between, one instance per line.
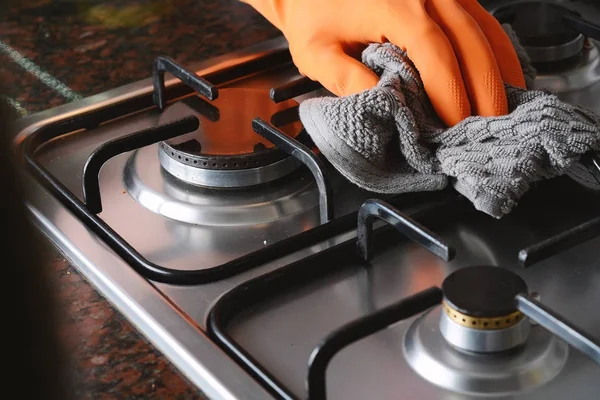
x=198, y=206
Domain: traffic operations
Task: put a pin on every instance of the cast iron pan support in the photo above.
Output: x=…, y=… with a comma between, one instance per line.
x=306, y=157
x=118, y=244
x=265, y=286
x=560, y=242
x=372, y=323
x=372, y=209
x=580, y=25
x=278, y=138
x=108, y=150
x=572, y=237
x=165, y=64
x=359, y=329
x=558, y=326
x=94, y=116
x=416, y=304
x=411, y=306
x=294, y=88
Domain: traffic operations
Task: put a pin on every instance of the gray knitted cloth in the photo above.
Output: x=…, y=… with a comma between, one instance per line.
x=389, y=140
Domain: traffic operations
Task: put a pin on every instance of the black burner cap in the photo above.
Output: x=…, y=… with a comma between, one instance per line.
x=483, y=291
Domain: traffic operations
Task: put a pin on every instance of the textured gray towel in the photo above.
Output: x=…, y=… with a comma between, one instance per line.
x=389, y=139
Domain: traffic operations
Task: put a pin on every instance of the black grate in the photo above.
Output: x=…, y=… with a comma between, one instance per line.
x=293, y=89
x=329, y=261
x=356, y=253
x=87, y=209
x=559, y=243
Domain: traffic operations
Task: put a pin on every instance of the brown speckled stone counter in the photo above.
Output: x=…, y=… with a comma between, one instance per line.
x=55, y=51
x=108, y=358
x=90, y=46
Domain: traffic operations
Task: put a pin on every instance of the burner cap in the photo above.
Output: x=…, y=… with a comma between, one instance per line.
x=483, y=291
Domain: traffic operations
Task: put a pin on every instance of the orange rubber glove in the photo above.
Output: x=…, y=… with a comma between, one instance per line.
x=460, y=50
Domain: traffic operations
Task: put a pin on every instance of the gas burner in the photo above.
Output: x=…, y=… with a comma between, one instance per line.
x=225, y=152
x=561, y=44
x=534, y=364
x=163, y=194
x=543, y=31
x=478, y=342
x=480, y=313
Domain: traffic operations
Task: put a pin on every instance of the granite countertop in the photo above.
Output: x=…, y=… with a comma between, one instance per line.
x=56, y=51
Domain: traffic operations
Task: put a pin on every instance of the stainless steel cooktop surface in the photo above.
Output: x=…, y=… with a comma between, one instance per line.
x=205, y=214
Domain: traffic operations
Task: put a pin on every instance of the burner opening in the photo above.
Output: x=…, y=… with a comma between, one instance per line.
x=542, y=30
x=225, y=152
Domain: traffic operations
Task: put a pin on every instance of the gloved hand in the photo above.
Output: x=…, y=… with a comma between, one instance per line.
x=460, y=50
